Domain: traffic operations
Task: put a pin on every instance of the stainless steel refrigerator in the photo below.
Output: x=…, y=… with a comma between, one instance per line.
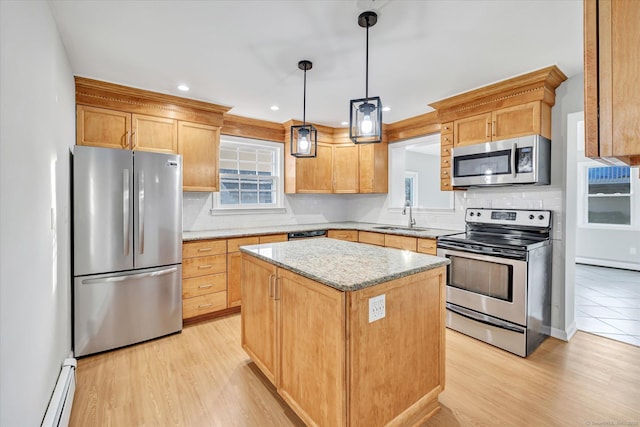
x=127, y=244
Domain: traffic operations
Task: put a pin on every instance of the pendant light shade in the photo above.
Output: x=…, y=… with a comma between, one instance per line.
x=365, y=114
x=304, y=138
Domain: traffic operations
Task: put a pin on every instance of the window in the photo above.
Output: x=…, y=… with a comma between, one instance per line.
x=250, y=173
x=609, y=195
x=410, y=188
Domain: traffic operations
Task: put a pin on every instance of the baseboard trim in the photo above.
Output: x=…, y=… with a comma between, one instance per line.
x=608, y=263
x=565, y=335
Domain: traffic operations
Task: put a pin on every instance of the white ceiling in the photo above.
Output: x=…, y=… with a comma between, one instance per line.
x=244, y=53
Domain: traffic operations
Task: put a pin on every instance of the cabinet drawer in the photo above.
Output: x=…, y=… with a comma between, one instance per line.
x=349, y=235
x=445, y=162
x=446, y=139
x=445, y=173
x=203, y=248
x=204, y=304
x=371, y=238
x=202, y=285
x=445, y=150
x=400, y=242
x=427, y=246
x=201, y=266
x=445, y=185
x=273, y=238
x=233, y=245
x=446, y=128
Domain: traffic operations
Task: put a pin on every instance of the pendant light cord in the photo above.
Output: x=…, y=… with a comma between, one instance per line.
x=366, y=79
x=304, y=99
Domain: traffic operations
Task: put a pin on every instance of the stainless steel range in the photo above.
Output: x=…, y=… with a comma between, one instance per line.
x=499, y=279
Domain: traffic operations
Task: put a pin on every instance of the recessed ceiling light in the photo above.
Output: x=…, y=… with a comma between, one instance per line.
x=183, y=88
x=386, y=108
x=274, y=108
x=344, y=123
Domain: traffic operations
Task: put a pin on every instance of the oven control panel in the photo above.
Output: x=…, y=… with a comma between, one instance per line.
x=520, y=217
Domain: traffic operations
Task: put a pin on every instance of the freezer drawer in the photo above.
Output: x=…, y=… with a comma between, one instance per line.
x=115, y=310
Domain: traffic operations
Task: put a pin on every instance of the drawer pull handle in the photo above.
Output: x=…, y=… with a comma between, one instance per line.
x=205, y=249
x=204, y=305
x=205, y=266
x=205, y=286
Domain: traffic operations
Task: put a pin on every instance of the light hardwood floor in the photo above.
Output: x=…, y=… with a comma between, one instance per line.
x=202, y=377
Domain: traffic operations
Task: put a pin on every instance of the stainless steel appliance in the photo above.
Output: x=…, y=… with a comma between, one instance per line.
x=307, y=234
x=499, y=279
x=524, y=160
x=127, y=235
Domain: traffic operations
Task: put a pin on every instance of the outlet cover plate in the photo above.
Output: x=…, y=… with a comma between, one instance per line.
x=377, y=309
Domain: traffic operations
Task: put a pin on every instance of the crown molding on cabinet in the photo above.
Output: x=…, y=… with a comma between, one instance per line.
x=110, y=95
x=538, y=85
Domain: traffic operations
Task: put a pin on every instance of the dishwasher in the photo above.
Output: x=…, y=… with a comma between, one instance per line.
x=307, y=234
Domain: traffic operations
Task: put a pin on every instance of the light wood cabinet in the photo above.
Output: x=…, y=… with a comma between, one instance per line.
x=612, y=80
x=527, y=119
x=204, y=277
x=400, y=242
x=446, y=144
x=315, y=175
x=371, y=238
x=234, y=263
x=427, y=246
x=100, y=127
x=199, y=146
x=346, y=178
x=258, y=329
x=373, y=168
x=348, y=235
x=316, y=344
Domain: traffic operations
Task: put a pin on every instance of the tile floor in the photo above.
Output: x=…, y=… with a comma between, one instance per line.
x=608, y=302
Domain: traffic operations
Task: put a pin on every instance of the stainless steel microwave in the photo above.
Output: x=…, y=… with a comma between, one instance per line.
x=524, y=160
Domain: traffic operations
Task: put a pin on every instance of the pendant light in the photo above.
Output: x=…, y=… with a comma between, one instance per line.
x=365, y=117
x=304, y=138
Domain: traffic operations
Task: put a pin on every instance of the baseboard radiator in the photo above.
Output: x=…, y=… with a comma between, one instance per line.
x=59, y=410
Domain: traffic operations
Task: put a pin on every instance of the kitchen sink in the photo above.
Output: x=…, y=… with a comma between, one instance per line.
x=400, y=228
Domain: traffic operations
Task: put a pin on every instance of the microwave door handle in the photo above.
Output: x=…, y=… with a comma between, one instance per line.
x=514, y=152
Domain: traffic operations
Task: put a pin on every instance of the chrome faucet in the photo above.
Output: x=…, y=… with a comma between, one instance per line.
x=412, y=220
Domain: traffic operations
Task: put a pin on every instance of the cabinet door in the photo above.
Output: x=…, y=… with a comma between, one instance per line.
x=198, y=145
x=315, y=175
x=345, y=168
x=516, y=121
x=258, y=330
x=472, y=130
x=155, y=134
x=348, y=235
x=234, y=279
x=619, y=79
x=100, y=127
x=400, y=242
x=373, y=166
x=312, y=351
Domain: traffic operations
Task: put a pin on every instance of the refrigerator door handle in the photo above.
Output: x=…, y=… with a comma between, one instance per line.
x=130, y=276
x=125, y=211
x=141, y=211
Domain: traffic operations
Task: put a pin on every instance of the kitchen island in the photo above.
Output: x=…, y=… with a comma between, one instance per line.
x=349, y=334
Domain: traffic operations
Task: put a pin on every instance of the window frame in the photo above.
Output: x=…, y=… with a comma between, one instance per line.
x=278, y=177
x=583, y=210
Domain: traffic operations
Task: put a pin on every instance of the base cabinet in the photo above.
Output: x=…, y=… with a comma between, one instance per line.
x=329, y=363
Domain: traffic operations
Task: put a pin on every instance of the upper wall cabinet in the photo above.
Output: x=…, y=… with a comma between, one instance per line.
x=115, y=116
x=516, y=107
x=339, y=167
x=612, y=80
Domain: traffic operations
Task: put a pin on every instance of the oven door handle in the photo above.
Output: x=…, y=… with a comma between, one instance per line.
x=484, y=319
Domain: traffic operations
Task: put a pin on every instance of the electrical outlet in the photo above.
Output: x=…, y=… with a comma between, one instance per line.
x=376, y=308
x=632, y=251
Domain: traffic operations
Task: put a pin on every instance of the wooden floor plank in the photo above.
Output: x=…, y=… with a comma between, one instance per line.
x=201, y=377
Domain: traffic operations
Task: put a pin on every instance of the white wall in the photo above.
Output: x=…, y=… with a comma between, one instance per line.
x=38, y=127
x=299, y=209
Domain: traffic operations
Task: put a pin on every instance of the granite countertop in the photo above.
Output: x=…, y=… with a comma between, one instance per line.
x=428, y=233
x=346, y=266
